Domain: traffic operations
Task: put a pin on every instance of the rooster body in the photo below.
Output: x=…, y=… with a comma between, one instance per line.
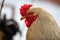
x=41, y=25
x=44, y=27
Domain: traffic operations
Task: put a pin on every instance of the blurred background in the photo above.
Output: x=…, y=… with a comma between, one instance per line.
x=12, y=10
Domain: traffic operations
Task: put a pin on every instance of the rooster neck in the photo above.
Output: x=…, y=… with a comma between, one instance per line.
x=44, y=27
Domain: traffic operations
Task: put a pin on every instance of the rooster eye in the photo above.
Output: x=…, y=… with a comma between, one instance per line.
x=31, y=13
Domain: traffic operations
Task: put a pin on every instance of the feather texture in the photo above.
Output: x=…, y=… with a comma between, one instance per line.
x=44, y=27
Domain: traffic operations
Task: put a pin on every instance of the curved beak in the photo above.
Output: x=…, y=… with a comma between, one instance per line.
x=22, y=18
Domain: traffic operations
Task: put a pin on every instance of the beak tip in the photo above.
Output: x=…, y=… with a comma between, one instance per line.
x=22, y=18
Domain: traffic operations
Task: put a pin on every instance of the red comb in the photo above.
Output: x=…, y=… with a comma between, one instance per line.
x=24, y=9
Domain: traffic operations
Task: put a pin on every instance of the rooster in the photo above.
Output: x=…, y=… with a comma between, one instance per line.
x=41, y=25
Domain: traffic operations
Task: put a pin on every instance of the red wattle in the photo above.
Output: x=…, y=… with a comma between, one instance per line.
x=30, y=19
x=28, y=23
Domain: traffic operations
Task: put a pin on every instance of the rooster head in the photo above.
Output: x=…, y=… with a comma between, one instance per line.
x=29, y=17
